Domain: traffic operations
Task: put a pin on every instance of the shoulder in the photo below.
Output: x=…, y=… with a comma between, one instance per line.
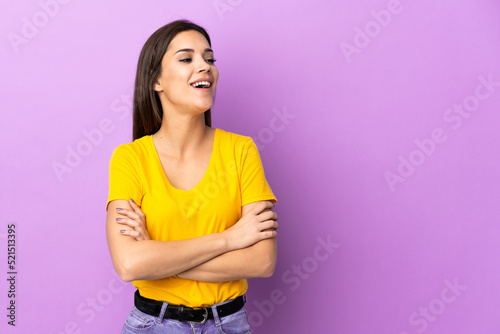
x=237, y=141
x=137, y=149
x=137, y=146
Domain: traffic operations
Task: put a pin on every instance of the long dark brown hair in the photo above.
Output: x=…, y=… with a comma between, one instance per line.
x=148, y=112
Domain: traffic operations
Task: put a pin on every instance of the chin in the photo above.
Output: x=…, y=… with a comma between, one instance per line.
x=203, y=107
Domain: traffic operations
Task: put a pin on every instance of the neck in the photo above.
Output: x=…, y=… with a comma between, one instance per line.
x=182, y=136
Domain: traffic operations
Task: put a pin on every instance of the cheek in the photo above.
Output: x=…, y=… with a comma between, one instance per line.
x=215, y=72
x=177, y=78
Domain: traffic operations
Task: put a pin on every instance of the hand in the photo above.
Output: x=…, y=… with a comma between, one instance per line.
x=258, y=224
x=136, y=220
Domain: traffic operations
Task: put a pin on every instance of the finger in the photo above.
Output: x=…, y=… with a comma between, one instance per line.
x=132, y=223
x=273, y=215
x=268, y=210
x=136, y=215
x=262, y=206
x=130, y=214
x=268, y=215
x=136, y=234
x=268, y=224
x=136, y=208
x=269, y=205
x=269, y=234
x=126, y=232
x=122, y=211
x=132, y=203
x=131, y=233
x=275, y=225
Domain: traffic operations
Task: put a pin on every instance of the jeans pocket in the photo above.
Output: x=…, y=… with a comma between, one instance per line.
x=236, y=323
x=138, y=322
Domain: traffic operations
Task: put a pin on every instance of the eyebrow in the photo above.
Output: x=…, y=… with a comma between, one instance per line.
x=191, y=50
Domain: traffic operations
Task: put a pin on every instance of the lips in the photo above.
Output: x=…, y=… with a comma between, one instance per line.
x=202, y=83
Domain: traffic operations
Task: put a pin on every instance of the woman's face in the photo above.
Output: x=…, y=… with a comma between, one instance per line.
x=187, y=61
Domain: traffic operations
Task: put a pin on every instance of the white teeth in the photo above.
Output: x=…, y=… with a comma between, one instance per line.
x=204, y=84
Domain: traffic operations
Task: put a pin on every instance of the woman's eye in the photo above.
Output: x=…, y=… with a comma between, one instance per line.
x=188, y=60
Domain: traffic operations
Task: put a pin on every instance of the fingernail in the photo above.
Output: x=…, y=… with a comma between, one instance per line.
x=132, y=200
x=118, y=209
x=118, y=219
x=122, y=231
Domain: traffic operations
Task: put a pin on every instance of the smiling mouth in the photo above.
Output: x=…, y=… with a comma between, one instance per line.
x=201, y=84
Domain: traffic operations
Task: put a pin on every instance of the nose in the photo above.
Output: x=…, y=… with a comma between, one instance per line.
x=202, y=65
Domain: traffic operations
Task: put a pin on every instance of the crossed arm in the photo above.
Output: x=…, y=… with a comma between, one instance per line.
x=246, y=250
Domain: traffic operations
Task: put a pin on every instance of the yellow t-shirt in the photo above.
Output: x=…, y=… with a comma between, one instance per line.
x=234, y=177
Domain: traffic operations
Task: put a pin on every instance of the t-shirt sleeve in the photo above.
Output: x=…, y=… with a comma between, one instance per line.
x=124, y=177
x=254, y=186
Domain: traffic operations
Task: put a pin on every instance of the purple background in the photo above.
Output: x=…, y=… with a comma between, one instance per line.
x=359, y=95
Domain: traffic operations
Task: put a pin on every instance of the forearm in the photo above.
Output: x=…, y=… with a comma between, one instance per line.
x=152, y=259
x=258, y=260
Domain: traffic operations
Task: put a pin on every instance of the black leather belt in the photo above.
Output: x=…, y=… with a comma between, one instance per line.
x=184, y=313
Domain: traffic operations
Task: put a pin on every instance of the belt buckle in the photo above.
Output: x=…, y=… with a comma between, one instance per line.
x=205, y=317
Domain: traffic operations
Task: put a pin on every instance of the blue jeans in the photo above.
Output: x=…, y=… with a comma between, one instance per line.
x=139, y=322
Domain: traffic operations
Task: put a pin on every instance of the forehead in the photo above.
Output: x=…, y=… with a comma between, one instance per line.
x=190, y=39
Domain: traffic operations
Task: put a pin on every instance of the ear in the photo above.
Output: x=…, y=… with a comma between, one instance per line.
x=158, y=87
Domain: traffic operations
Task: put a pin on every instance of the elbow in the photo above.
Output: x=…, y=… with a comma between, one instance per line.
x=268, y=268
x=125, y=271
x=267, y=256
x=125, y=276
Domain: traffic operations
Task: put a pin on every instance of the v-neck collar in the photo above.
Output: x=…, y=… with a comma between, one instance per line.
x=162, y=171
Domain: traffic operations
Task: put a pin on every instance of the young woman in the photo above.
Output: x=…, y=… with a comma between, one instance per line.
x=190, y=212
